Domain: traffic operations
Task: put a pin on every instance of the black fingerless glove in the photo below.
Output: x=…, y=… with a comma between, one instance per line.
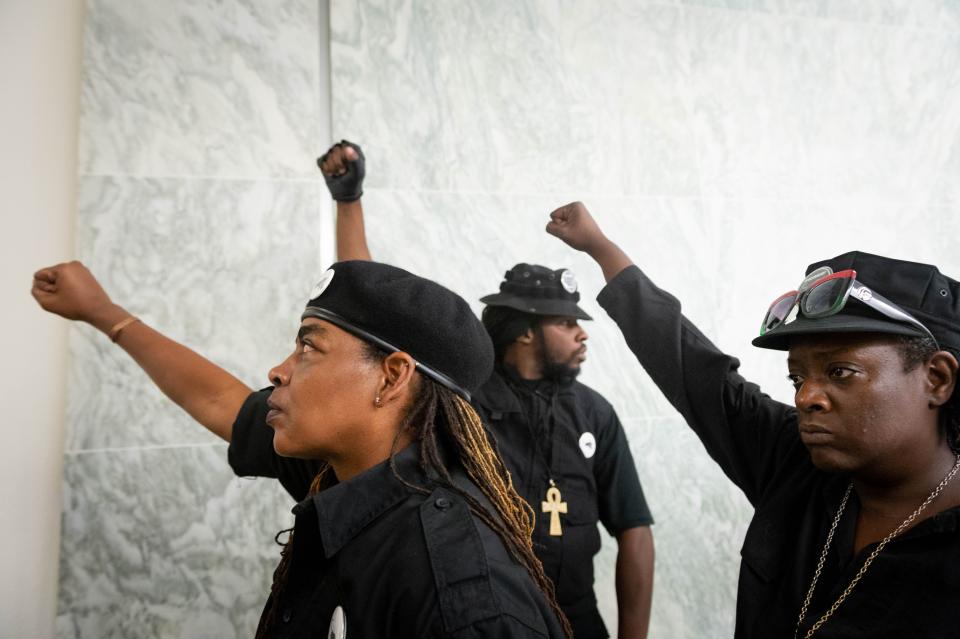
x=349, y=186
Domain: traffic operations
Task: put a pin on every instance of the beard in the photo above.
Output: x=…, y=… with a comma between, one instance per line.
x=554, y=368
x=557, y=371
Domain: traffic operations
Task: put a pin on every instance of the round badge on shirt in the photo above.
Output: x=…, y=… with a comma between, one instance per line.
x=588, y=445
x=338, y=624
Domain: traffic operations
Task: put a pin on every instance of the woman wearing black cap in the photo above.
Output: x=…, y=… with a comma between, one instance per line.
x=411, y=527
x=856, y=530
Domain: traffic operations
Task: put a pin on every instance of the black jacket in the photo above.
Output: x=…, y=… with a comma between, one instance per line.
x=912, y=588
x=400, y=563
x=569, y=433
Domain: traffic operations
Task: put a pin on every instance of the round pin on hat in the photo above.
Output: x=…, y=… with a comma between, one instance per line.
x=538, y=290
x=322, y=284
x=398, y=311
x=569, y=281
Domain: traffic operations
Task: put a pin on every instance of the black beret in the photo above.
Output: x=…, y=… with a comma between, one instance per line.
x=919, y=289
x=399, y=311
x=539, y=290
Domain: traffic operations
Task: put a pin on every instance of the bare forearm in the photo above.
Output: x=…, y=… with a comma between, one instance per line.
x=208, y=393
x=610, y=257
x=634, y=582
x=351, y=234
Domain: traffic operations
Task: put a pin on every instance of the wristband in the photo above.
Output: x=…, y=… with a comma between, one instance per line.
x=119, y=326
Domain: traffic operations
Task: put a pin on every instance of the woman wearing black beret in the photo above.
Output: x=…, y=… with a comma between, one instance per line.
x=411, y=527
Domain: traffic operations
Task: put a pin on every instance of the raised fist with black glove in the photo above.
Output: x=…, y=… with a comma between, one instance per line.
x=343, y=170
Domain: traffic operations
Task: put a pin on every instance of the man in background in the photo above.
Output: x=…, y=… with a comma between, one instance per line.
x=562, y=441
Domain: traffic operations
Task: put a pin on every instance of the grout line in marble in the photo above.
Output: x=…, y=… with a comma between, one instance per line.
x=202, y=178
x=563, y=195
x=703, y=198
x=127, y=449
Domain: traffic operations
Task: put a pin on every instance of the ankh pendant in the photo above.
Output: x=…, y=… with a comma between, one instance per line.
x=554, y=506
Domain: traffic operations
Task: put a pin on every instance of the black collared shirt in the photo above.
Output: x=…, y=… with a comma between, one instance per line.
x=399, y=562
x=912, y=588
x=569, y=433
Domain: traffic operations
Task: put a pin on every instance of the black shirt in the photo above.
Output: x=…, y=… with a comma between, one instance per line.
x=912, y=588
x=569, y=433
x=399, y=563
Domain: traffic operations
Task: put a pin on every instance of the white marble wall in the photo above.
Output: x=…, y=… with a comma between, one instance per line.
x=199, y=211
x=725, y=144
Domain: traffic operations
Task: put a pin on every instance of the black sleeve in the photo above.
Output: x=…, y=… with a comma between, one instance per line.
x=251, y=451
x=619, y=494
x=749, y=434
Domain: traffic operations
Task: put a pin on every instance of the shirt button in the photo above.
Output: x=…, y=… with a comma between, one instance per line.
x=287, y=614
x=442, y=503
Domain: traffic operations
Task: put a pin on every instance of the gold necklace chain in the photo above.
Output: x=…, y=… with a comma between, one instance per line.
x=873, y=555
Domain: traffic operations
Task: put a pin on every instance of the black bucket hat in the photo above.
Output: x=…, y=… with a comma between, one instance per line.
x=398, y=311
x=919, y=289
x=540, y=291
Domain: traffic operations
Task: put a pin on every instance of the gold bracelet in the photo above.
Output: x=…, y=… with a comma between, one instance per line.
x=119, y=326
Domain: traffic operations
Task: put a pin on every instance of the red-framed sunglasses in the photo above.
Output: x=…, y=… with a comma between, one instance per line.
x=824, y=293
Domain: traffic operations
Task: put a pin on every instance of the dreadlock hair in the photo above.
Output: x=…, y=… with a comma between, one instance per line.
x=442, y=421
x=505, y=325
x=914, y=351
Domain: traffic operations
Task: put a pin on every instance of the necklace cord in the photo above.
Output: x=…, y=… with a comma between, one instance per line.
x=869, y=560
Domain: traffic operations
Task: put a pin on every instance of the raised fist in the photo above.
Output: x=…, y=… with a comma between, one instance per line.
x=573, y=224
x=71, y=291
x=343, y=170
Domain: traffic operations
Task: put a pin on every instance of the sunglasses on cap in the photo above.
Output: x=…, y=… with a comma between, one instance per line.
x=824, y=293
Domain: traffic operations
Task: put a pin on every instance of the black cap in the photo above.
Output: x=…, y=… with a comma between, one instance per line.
x=399, y=311
x=538, y=290
x=921, y=290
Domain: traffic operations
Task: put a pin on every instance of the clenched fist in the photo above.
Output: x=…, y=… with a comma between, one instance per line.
x=573, y=224
x=343, y=168
x=71, y=291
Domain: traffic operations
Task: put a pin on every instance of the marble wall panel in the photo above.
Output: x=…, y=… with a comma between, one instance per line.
x=227, y=89
x=882, y=128
x=943, y=241
x=921, y=14
x=946, y=188
x=468, y=240
x=165, y=543
x=656, y=111
x=834, y=110
x=483, y=117
x=751, y=68
x=222, y=266
x=199, y=210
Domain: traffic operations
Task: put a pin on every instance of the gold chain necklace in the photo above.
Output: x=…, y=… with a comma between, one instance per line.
x=866, y=564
